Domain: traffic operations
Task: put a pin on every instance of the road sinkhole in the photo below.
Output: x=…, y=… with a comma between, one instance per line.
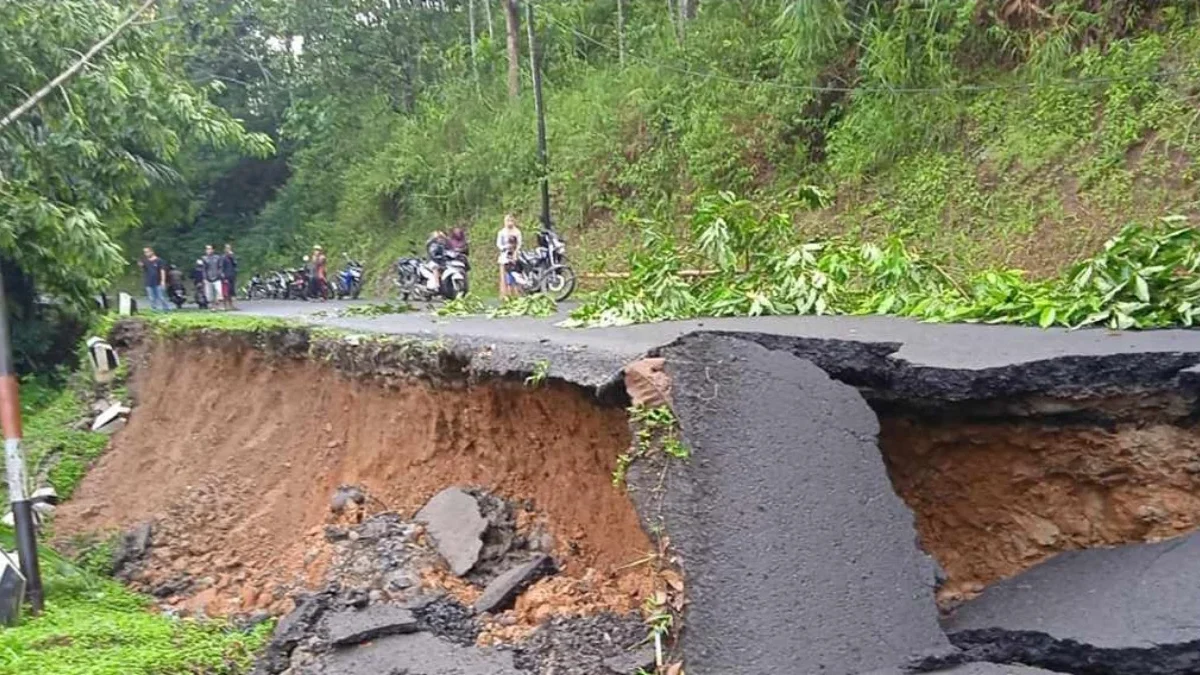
x=395, y=506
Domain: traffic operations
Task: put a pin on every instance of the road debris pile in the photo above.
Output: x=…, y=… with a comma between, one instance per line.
x=395, y=590
x=238, y=488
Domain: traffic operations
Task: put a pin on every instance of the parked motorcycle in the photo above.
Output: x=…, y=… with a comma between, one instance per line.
x=277, y=285
x=349, y=281
x=297, y=284
x=256, y=289
x=416, y=278
x=544, y=270
x=177, y=295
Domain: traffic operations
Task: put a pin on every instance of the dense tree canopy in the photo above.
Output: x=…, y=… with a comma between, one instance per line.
x=965, y=126
x=72, y=170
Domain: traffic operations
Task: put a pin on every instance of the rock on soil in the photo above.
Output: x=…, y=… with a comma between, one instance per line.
x=798, y=554
x=132, y=549
x=1129, y=610
x=504, y=589
x=456, y=526
x=582, y=645
x=446, y=618
x=414, y=654
x=355, y=626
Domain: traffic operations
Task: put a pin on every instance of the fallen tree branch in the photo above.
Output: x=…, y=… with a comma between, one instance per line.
x=625, y=275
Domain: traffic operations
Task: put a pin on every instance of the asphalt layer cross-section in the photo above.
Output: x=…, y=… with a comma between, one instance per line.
x=944, y=361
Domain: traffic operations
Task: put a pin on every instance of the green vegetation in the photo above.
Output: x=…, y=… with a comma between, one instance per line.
x=538, y=377
x=73, y=169
x=538, y=304
x=173, y=324
x=94, y=626
x=655, y=429
x=1143, y=278
x=55, y=446
x=466, y=305
x=938, y=136
x=377, y=309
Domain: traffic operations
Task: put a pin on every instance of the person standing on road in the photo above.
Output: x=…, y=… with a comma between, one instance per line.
x=154, y=274
x=318, y=264
x=229, y=275
x=212, y=278
x=504, y=241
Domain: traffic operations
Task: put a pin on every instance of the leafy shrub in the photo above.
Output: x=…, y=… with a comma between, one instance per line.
x=1145, y=277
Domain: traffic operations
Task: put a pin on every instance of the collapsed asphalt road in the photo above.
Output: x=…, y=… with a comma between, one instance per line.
x=813, y=547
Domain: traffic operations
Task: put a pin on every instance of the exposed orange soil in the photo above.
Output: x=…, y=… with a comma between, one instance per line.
x=994, y=499
x=237, y=457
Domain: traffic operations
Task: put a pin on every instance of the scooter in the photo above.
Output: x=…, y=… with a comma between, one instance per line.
x=417, y=278
x=349, y=280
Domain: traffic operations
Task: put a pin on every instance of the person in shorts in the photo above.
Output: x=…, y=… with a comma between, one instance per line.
x=212, y=278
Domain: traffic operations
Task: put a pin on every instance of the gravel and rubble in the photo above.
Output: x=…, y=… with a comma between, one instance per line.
x=378, y=613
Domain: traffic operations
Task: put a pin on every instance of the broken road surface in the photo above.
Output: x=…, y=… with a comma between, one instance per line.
x=799, y=556
x=1129, y=610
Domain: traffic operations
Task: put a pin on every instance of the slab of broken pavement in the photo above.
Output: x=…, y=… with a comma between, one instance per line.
x=816, y=569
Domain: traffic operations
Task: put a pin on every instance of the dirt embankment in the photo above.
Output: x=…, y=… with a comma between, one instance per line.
x=994, y=498
x=236, y=456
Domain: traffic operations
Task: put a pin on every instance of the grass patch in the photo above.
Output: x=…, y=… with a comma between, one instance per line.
x=95, y=626
x=173, y=324
x=51, y=439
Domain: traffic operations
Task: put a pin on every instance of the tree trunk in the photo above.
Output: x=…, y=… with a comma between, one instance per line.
x=512, y=20
x=687, y=12
x=621, y=31
x=471, y=22
x=487, y=8
x=672, y=17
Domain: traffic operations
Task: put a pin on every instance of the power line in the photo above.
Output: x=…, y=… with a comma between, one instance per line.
x=1081, y=82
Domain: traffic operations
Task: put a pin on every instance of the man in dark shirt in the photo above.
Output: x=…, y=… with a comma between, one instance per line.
x=154, y=275
x=229, y=275
x=212, y=278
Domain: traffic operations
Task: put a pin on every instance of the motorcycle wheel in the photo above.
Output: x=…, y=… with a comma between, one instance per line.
x=453, y=288
x=559, y=283
x=355, y=290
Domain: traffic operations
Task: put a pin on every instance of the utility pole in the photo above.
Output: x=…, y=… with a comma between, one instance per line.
x=540, y=107
x=14, y=463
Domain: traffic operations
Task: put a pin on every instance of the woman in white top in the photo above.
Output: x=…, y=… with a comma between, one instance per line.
x=508, y=252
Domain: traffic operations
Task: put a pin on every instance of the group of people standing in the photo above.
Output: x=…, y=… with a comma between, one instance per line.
x=508, y=243
x=215, y=277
